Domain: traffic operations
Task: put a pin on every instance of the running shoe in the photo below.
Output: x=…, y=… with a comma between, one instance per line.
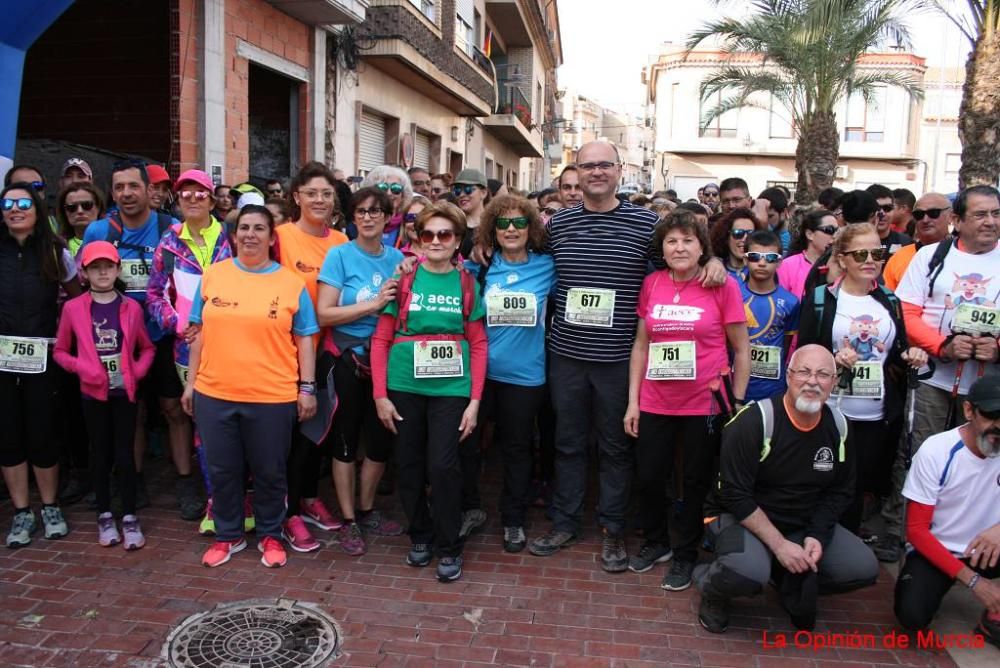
x=514, y=539
x=713, y=613
x=551, y=543
x=188, y=499
x=107, y=532
x=317, y=514
x=21, y=529
x=249, y=522
x=352, y=540
x=272, y=553
x=419, y=555
x=207, y=526
x=614, y=555
x=134, y=540
x=471, y=520
x=295, y=531
x=377, y=524
x=220, y=552
x=54, y=522
x=678, y=578
x=989, y=629
x=449, y=569
x=649, y=555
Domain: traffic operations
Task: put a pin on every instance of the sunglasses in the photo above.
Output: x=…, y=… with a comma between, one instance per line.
x=876, y=254
x=196, y=195
x=933, y=214
x=444, y=236
x=739, y=234
x=467, y=189
x=710, y=193
x=39, y=186
x=828, y=229
x=519, y=223
x=549, y=211
x=73, y=208
x=22, y=203
x=887, y=208
x=770, y=258
x=394, y=188
x=993, y=416
x=373, y=212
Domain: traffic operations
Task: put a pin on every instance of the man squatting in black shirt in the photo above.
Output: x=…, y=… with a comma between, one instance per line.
x=779, y=502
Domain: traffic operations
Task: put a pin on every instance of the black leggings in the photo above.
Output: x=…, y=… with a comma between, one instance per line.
x=111, y=425
x=28, y=404
x=304, y=463
x=356, y=411
x=871, y=445
x=699, y=437
x=920, y=587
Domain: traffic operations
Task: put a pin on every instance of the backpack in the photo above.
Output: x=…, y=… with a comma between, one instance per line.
x=115, y=231
x=937, y=262
x=767, y=417
x=819, y=299
x=404, y=294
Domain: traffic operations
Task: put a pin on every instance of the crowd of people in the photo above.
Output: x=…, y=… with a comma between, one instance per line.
x=769, y=374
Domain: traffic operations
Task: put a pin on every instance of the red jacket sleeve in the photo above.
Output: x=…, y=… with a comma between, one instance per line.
x=918, y=534
x=381, y=341
x=919, y=333
x=475, y=334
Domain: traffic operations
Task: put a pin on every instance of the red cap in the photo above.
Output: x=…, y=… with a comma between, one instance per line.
x=157, y=174
x=99, y=250
x=195, y=176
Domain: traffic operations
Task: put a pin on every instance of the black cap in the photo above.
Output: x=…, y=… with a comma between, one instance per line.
x=985, y=394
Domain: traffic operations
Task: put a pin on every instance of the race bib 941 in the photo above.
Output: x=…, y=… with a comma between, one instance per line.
x=673, y=360
x=867, y=380
x=20, y=354
x=590, y=307
x=437, y=359
x=135, y=274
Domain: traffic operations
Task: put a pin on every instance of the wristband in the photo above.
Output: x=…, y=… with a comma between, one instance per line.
x=307, y=387
x=973, y=580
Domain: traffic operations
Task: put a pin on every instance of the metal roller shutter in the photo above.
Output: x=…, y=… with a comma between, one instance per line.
x=422, y=151
x=371, y=145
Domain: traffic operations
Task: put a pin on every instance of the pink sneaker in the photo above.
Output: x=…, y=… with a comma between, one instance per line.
x=316, y=514
x=297, y=534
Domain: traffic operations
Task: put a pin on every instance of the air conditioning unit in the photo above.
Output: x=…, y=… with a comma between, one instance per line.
x=841, y=172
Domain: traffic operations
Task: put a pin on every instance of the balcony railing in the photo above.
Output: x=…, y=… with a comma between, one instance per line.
x=513, y=101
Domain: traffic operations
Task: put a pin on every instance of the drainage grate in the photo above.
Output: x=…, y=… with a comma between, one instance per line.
x=255, y=634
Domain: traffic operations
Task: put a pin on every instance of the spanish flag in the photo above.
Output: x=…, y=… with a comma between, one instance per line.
x=488, y=43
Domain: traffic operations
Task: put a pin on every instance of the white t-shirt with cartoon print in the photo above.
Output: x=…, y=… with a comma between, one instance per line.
x=864, y=325
x=966, y=281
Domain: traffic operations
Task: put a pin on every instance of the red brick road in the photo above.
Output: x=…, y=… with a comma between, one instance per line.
x=73, y=603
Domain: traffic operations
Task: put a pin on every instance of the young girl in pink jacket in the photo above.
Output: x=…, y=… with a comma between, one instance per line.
x=113, y=352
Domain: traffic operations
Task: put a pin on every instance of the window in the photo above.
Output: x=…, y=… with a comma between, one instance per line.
x=465, y=26
x=723, y=126
x=781, y=124
x=952, y=165
x=865, y=122
x=426, y=8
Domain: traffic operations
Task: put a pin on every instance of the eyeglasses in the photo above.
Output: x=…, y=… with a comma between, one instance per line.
x=196, y=195
x=394, y=188
x=444, y=236
x=887, y=208
x=822, y=375
x=409, y=217
x=373, y=212
x=876, y=254
x=73, y=208
x=933, y=214
x=22, y=203
x=519, y=223
x=980, y=216
x=466, y=189
x=736, y=233
x=593, y=166
x=549, y=211
x=827, y=229
x=771, y=258
x=325, y=195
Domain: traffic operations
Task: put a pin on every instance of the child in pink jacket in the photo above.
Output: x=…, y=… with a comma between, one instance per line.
x=113, y=352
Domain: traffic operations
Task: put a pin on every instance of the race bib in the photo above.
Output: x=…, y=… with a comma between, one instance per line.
x=113, y=365
x=976, y=320
x=671, y=361
x=135, y=274
x=437, y=359
x=867, y=381
x=511, y=309
x=590, y=307
x=19, y=354
x=765, y=362
x=182, y=372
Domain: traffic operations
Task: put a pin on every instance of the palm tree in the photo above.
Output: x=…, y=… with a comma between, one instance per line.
x=809, y=50
x=979, y=115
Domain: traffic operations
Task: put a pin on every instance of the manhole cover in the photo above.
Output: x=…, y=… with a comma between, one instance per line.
x=255, y=634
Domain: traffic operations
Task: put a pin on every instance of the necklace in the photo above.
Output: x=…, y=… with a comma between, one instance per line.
x=678, y=291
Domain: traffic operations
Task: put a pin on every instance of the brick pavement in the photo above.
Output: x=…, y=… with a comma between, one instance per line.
x=73, y=603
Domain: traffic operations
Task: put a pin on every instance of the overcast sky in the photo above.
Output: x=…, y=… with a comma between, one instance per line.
x=606, y=65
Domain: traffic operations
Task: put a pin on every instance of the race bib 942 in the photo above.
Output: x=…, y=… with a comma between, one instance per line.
x=976, y=320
